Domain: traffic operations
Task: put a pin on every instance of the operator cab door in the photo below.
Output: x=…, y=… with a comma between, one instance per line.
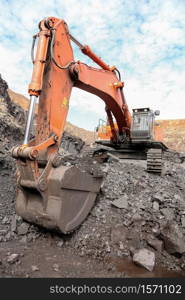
x=142, y=124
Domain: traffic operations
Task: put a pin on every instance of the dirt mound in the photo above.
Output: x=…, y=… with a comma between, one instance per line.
x=87, y=136
x=18, y=99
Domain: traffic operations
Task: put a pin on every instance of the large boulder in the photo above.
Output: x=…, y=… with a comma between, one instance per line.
x=174, y=241
x=144, y=258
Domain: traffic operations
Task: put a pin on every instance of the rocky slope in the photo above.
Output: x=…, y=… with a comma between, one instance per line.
x=12, y=119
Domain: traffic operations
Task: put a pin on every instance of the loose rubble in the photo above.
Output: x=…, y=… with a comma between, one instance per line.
x=137, y=216
x=121, y=202
x=174, y=239
x=133, y=210
x=13, y=258
x=60, y=243
x=34, y=268
x=145, y=258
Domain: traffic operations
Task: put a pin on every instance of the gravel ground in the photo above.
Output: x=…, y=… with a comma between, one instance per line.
x=138, y=217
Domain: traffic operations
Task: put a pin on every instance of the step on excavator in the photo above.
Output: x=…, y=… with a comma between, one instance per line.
x=51, y=194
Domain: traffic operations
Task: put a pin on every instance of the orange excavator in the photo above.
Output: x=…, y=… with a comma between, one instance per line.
x=51, y=194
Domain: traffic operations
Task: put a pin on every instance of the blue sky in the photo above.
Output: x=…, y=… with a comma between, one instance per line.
x=144, y=39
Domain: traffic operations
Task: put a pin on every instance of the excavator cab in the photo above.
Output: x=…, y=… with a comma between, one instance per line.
x=142, y=128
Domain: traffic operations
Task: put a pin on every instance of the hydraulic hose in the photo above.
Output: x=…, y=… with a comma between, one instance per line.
x=33, y=47
x=52, y=54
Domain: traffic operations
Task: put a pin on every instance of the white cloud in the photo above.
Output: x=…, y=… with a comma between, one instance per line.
x=87, y=101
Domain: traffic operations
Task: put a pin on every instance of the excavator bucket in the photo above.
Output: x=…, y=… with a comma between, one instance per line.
x=60, y=203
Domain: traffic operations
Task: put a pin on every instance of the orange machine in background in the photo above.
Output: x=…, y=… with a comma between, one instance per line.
x=103, y=131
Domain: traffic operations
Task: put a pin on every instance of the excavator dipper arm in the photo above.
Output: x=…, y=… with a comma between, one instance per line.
x=49, y=193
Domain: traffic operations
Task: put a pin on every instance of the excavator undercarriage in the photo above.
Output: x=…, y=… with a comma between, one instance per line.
x=151, y=152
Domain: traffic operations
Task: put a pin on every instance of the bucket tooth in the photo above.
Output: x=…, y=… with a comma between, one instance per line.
x=63, y=206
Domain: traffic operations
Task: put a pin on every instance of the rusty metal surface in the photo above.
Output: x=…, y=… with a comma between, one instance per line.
x=64, y=202
x=50, y=194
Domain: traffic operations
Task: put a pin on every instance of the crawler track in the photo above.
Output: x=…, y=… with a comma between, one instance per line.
x=154, y=160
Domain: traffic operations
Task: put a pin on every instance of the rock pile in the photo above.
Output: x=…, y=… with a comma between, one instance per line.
x=137, y=210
